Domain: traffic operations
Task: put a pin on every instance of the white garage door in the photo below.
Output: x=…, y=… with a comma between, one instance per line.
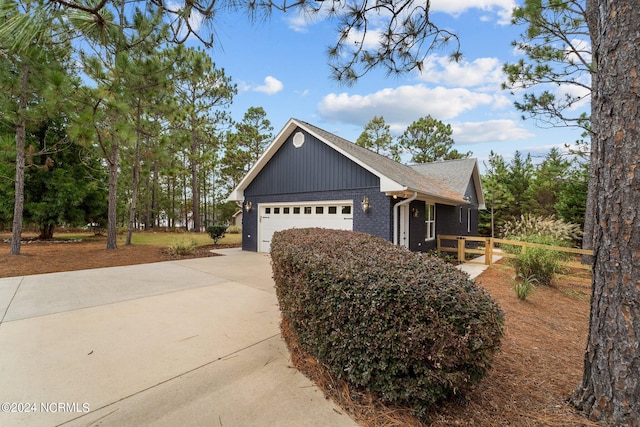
x=282, y=216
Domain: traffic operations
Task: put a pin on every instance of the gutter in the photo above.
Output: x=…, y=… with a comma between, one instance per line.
x=396, y=208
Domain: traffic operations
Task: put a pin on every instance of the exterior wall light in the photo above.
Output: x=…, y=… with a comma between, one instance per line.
x=415, y=212
x=248, y=206
x=365, y=204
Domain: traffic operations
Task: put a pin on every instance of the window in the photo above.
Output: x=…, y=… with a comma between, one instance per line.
x=468, y=220
x=276, y=210
x=267, y=211
x=430, y=222
x=460, y=214
x=307, y=209
x=346, y=210
x=319, y=210
x=333, y=210
x=285, y=210
x=296, y=210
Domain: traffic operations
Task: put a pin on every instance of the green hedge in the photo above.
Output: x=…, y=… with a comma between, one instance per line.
x=407, y=327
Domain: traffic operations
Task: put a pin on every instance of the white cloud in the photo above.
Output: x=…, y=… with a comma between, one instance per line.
x=502, y=8
x=575, y=91
x=489, y=131
x=402, y=105
x=370, y=40
x=299, y=20
x=271, y=86
x=195, y=19
x=243, y=86
x=481, y=72
x=579, y=47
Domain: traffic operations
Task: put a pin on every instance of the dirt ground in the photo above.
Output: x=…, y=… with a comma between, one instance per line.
x=49, y=257
x=535, y=372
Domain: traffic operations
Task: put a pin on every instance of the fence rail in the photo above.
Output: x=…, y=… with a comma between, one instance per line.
x=461, y=250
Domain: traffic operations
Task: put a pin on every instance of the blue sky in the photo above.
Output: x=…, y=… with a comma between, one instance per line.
x=280, y=65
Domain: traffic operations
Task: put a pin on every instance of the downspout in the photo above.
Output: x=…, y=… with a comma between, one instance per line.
x=396, y=209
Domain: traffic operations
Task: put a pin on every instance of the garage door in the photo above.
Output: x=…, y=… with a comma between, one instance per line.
x=280, y=216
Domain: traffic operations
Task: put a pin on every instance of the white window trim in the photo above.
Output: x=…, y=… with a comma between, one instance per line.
x=427, y=223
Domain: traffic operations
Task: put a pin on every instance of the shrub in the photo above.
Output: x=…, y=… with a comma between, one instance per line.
x=216, y=232
x=524, y=285
x=529, y=225
x=234, y=229
x=182, y=247
x=539, y=263
x=406, y=327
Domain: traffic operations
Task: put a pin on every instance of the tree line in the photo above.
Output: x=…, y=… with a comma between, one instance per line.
x=123, y=130
x=557, y=187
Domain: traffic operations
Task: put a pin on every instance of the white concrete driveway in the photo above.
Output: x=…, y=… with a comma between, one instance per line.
x=189, y=343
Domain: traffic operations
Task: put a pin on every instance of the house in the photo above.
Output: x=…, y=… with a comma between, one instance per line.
x=236, y=219
x=308, y=177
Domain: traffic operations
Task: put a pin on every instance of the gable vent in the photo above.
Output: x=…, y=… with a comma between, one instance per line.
x=298, y=139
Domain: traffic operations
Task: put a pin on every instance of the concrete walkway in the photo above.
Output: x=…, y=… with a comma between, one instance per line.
x=189, y=343
x=476, y=266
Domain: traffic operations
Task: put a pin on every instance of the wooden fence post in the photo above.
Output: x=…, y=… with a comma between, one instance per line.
x=461, y=248
x=488, y=252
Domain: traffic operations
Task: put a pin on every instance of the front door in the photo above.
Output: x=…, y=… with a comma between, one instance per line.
x=404, y=226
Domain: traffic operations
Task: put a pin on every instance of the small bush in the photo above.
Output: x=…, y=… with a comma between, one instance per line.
x=406, y=327
x=182, y=247
x=216, y=232
x=539, y=263
x=524, y=286
x=234, y=229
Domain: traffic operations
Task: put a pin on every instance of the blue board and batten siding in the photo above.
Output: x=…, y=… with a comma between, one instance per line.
x=313, y=167
x=315, y=172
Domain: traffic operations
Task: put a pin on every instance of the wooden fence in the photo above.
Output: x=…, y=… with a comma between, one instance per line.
x=486, y=246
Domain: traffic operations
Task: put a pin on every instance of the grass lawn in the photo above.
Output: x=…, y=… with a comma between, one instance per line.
x=153, y=238
x=166, y=239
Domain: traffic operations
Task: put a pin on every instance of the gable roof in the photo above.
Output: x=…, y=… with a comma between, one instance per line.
x=456, y=173
x=395, y=178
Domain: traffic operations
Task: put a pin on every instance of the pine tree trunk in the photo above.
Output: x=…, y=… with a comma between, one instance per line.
x=610, y=388
x=154, y=196
x=147, y=204
x=135, y=172
x=21, y=138
x=195, y=188
x=112, y=217
x=46, y=232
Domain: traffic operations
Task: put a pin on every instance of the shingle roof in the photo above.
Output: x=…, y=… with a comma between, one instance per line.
x=456, y=173
x=444, y=182
x=427, y=179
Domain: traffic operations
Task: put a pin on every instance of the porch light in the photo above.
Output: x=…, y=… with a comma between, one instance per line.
x=365, y=204
x=415, y=212
x=248, y=206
